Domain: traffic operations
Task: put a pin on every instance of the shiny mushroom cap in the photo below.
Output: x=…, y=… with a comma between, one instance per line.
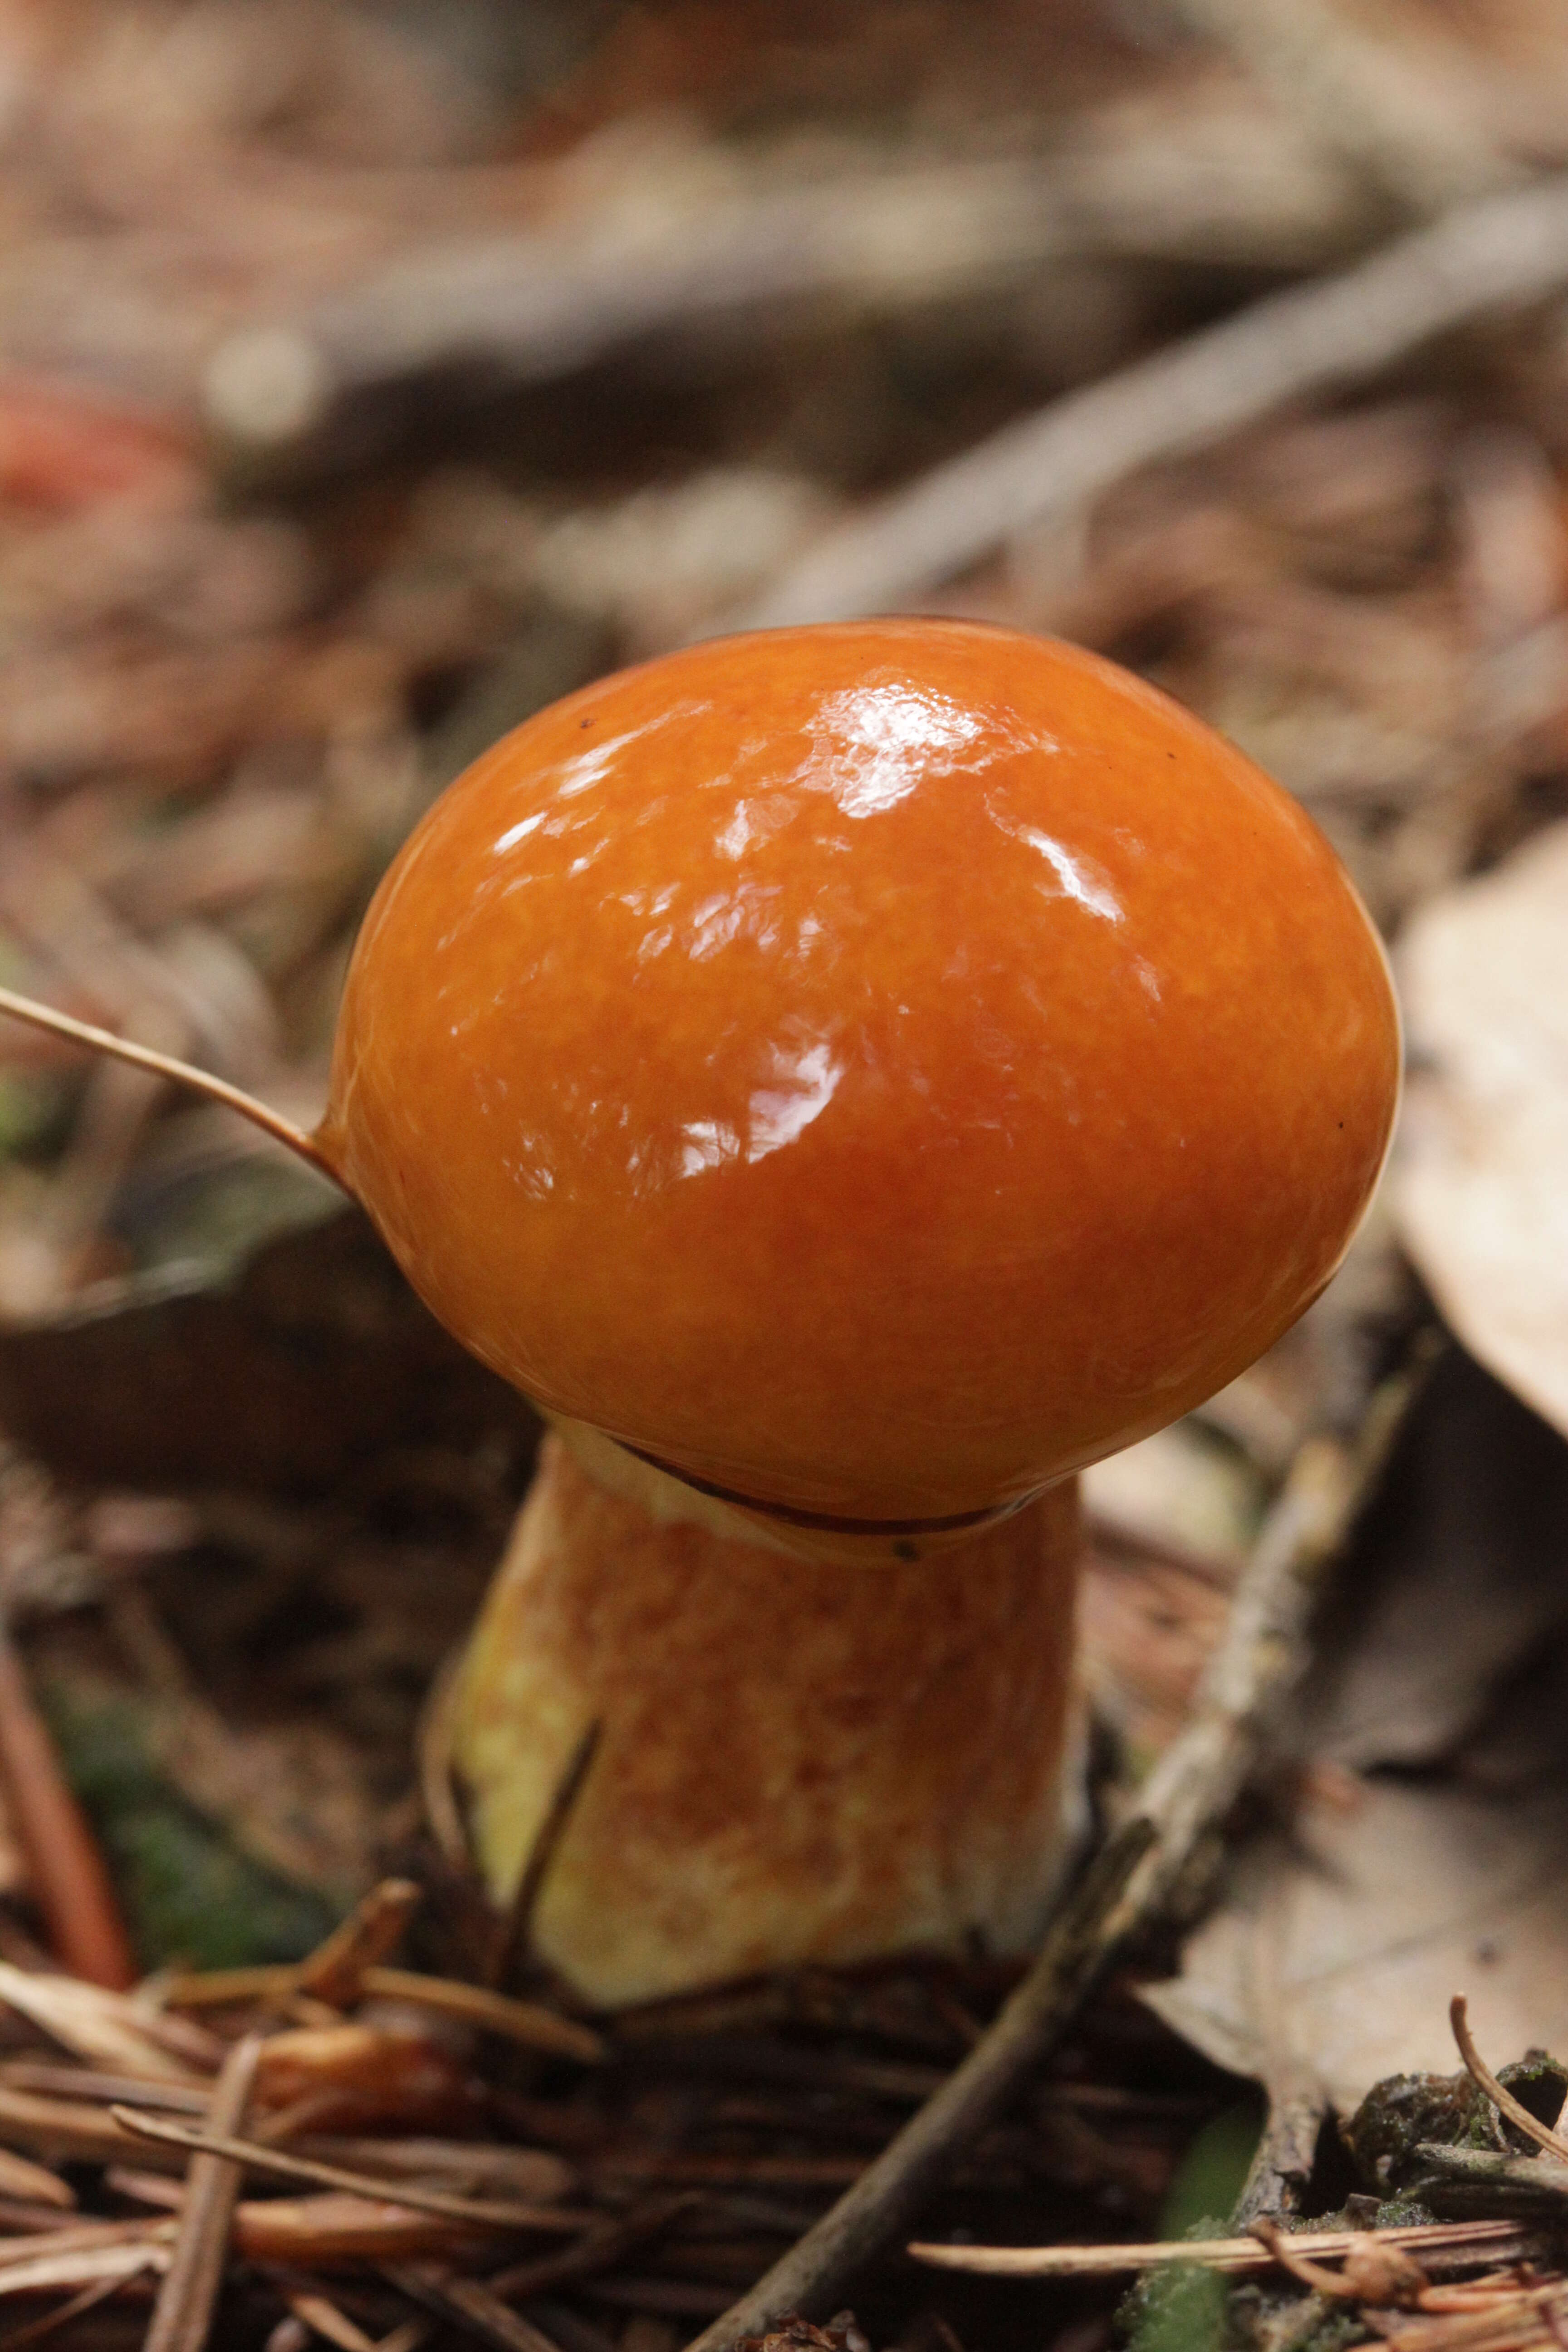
x=869, y=1070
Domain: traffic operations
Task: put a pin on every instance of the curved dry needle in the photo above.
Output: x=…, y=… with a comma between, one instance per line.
x=1480, y=2074
x=163, y=1065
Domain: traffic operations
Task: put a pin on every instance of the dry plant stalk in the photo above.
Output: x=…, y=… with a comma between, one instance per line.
x=1480, y=2074
x=253, y=2156
x=1503, y=2240
x=527, y=2022
x=182, y=2316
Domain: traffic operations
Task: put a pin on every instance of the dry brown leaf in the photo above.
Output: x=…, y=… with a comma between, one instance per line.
x=1336, y=1952
x=1480, y=1180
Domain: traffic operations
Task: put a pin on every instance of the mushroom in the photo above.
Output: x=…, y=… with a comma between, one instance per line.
x=850, y=1077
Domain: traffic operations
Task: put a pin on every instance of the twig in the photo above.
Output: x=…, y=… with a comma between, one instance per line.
x=1492, y=257
x=334, y=1971
x=542, y=303
x=1516, y=2180
x=1363, y=98
x=525, y=2022
x=28, y=2183
x=892, y=2188
x=188, y=2294
x=65, y=1862
x=319, y=2313
x=1485, y=2080
x=497, y=2214
x=513, y=1945
x=464, y=2303
x=36, y=2331
x=1399, y=2277
x=76, y=2237
x=1193, y=1785
x=43, y=2272
x=597, y=2250
x=1496, y=2240
x=73, y=2128
x=1283, y=2164
x=87, y=2083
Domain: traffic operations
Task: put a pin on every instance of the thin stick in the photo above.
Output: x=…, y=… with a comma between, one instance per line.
x=1494, y=2240
x=1360, y=96
x=466, y=2303
x=322, y=2316
x=1301, y=2266
x=540, y=303
x=597, y=2250
x=1511, y=2180
x=1485, y=2080
x=65, y=1863
x=1193, y=1786
x=528, y=2022
x=182, y=2314
x=163, y=1065
x=1282, y=2165
x=334, y=1971
x=497, y=2214
x=1495, y=256
x=36, y=2331
x=513, y=1945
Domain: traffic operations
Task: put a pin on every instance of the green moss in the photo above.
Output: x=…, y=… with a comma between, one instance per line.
x=1184, y=2309
x=189, y=1898
x=1398, y=2114
x=1212, y=2172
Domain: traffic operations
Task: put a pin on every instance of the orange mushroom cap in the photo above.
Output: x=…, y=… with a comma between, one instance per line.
x=871, y=1069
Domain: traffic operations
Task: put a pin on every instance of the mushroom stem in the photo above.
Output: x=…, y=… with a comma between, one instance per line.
x=164, y=1066
x=801, y=1761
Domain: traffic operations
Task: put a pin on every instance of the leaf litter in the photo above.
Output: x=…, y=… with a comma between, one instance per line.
x=272, y=564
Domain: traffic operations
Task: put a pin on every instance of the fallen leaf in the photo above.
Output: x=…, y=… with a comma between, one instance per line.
x=1456, y=1597
x=1480, y=1186
x=1427, y=1853
x=1338, y=1949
